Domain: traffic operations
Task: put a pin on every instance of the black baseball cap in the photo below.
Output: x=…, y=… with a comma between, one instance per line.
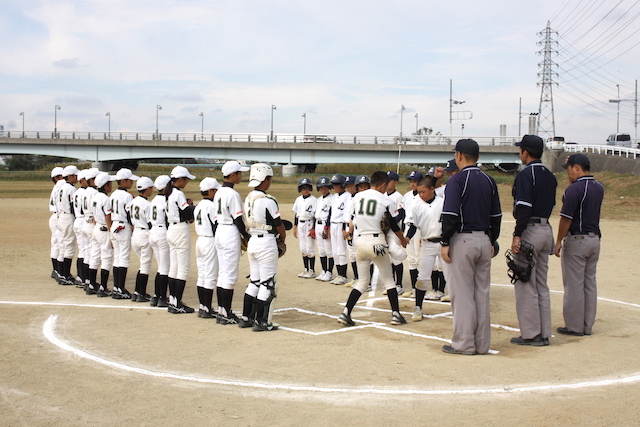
x=415, y=176
x=451, y=166
x=577, y=159
x=393, y=176
x=468, y=146
x=531, y=142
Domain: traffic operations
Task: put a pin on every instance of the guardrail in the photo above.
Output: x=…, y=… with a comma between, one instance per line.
x=261, y=137
x=611, y=150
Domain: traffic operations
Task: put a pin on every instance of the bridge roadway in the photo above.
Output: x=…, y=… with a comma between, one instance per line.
x=103, y=150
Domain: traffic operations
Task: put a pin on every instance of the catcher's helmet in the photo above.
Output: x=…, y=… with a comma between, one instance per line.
x=304, y=181
x=259, y=172
x=338, y=179
x=323, y=181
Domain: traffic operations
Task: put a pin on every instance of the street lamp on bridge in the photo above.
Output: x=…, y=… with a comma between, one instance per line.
x=416, y=116
x=202, y=126
x=55, y=121
x=273, y=107
x=108, y=114
x=304, y=129
x=158, y=108
x=22, y=114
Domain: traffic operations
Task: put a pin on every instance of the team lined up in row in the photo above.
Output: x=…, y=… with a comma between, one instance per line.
x=106, y=226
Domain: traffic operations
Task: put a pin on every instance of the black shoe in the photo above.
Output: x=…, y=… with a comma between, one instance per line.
x=564, y=331
x=449, y=349
x=264, y=326
x=140, y=298
x=163, y=302
x=244, y=323
x=79, y=283
x=205, y=314
x=345, y=319
x=121, y=295
x=545, y=341
x=153, y=301
x=181, y=309
x=67, y=281
x=535, y=342
x=89, y=290
x=397, y=319
x=134, y=297
x=103, y=293
x=231, y=320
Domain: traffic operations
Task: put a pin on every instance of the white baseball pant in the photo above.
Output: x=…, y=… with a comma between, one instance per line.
x=53, y=226
x=121, y=244
x=324, y=245
x=179, y=240
x=160, y=247
x=306, y=242
x=101, y=249
x=67, y=236
x=142, y=248
x=207, y=262
x=365, y=254
x=227, y=242
x=429, y=252
x=78, y=223
x=338, y=244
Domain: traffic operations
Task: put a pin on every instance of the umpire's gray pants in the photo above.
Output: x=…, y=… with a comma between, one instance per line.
x=469, y=282
x=533, y=304
x=579, y=259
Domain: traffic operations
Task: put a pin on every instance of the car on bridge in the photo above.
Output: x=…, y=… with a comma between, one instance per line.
x=619, y=139
x=318, y=138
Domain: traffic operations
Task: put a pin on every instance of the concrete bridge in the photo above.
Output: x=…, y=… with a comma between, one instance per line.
x=284, y=150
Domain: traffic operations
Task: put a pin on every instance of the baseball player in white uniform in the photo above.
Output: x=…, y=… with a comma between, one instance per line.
x=101, y=247
x=206, y=255
x=263, y=221
x=413, y=248
x=337, y=215
x=304, y=227
x=179, y=215
x=78, y=212
x=323, y=239
x=229, y=216
x=87, y=228
x=66, y=219
x=158, y=242
x=140, y=211
x=121, y=231
x=425, y=219
x=369, y=208
x=398, y=255
x=350, y=187
x=58, y=181
x=438, y=277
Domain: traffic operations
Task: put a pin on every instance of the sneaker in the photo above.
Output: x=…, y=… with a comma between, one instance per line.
x=431, y=296
x=449, y=349
x=397, y=319
x=303, y=274
x=153, y=301
x=439, y=295
x=320, y=277
x=102, y=293
x=79, y=283
x=445, y=298
x=134, y=297
x=383, y=292
x=310, y=274
x=400, y=290
x=206, y=314
x=244, y=323
x=54, y=274
x=350, y=283
x=143, y=298
x=340, y=280
x=120, y=295
x=181, y=309
x=264, y=326
x=417, y=314
x=408, y=294
x=345, y=319
x=89, y=290
x=231, y=320
x=163, y=302
x=66, y=281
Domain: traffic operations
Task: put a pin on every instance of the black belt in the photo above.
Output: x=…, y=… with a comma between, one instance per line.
x=141, y=228
x=375, y=235
x=582, y=233
x=471, y=231
x=436, y=240
x=320, y=222
x=304, y=220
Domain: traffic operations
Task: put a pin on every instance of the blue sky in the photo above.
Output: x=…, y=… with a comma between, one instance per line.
x=349, y=65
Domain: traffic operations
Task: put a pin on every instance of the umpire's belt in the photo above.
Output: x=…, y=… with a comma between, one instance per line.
x=474, y=231
x=536, y=220
x=581, y=233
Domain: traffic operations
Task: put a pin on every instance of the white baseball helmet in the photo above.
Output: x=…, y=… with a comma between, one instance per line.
x=259, y=172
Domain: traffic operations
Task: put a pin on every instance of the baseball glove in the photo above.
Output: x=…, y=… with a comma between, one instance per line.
x=282, y=248
x=520, y=264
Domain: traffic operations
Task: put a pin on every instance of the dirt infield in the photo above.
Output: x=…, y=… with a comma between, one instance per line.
x=71, y=359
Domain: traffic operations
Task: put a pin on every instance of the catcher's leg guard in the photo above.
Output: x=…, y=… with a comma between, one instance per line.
x=264, y=305
x=249, y=305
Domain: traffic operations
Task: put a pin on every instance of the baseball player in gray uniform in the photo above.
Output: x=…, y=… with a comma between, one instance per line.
x=158, y=242
x=229, y=216
x=206, y=256
x=338, y=230
x=534, y=196
x=179, y=215
x=471, y=219
x=58, y=181
x=121, y=231
x=140, y=210
x=101, y=247
x=369, y=208
x=263, y=221
x=66, y=219
x=578, y=246
x=323, y=238
x=304, y=227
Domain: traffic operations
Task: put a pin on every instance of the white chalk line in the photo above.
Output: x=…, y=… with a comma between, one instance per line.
x=49, y=327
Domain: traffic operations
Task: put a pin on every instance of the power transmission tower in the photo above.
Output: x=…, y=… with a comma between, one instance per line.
x=546, y=115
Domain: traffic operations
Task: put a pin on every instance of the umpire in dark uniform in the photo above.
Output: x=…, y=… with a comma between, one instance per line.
x=470, y=226
x=578, y=245
x=534, y=196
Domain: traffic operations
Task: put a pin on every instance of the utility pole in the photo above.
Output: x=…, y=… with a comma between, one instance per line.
x=546, y=115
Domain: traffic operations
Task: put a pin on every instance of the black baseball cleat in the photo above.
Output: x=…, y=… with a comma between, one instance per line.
x=346, y=320
x=264, y=326
x=205, y=314
x=397, y=319
x=230, y=320
x=242, y=323
x=153, y=301
x=538, y=341
x=163, y=302
x=181, y=309
x=102, y=293
x=140, y=298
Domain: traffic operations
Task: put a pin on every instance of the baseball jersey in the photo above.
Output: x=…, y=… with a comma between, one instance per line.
x=205, y=215
x=407, y=203
x=78, y=207
x=120, y=202
x=140, y=210
x=305, y=208
x=425, y=217
x=323, y=205
x=55, y=195
x=440, y=191
x=534, y=194
x=228, y=205
x=368, y=209
x=87, y=205
x=159, y=211
x=347, y=209
x=261, y=210
x=176, y=202
x=338, y=202
x=581, y=204
x=65, y=198
x=101, y=207
x=396, y=197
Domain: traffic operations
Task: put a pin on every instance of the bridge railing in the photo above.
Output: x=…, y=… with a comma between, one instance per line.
x=611, y=150
x=261, y=137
